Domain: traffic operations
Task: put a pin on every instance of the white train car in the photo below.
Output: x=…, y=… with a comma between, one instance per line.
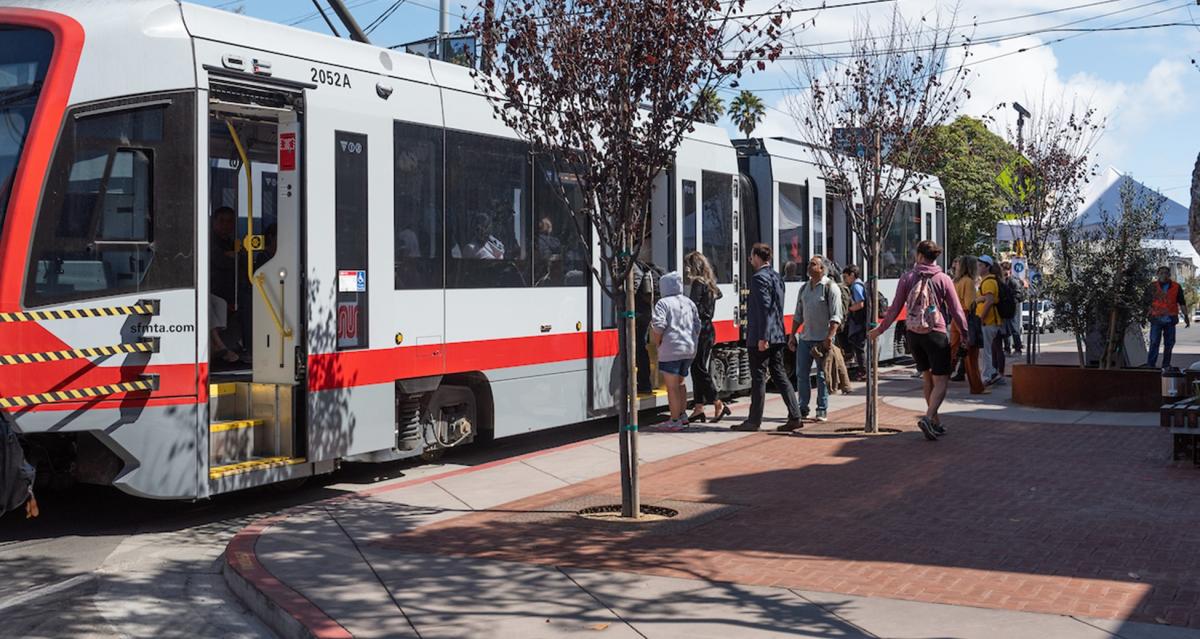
x=392, y=255
x=797, y=216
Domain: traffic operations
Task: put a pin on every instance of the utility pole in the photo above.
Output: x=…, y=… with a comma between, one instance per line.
x=443, y=28
x=1031, y=340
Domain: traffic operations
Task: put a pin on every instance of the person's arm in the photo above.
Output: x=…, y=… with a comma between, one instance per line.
x=1187, y=318
x=764, y=302
x=658, y=323
x=798, y=315
x=989, y=299
x=835, y=312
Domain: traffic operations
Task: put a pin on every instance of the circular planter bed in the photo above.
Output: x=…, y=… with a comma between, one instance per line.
x=1075, y=388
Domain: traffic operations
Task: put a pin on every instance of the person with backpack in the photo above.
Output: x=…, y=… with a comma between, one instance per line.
x=1011, y=296
x=16, y=474
x=856, y=321
x=814, y=325
x=931, y=303
x=987, y=308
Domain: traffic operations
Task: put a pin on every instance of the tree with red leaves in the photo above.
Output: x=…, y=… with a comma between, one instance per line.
x=605, y=91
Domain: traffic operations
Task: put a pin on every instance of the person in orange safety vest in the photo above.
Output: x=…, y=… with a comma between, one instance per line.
x=1166, y=304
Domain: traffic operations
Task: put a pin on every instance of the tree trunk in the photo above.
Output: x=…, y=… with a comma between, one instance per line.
x=630, y=501
x=873, y=312
x=1110, y=340
x=628, y=385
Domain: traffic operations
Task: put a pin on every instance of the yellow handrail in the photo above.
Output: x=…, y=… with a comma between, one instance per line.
x=248, y=240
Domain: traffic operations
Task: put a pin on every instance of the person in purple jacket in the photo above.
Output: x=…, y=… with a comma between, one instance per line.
x=929, y=297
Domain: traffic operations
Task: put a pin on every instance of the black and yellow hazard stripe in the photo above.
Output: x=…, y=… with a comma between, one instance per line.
x=144, y=307
x=144, y=346
x=147, y=383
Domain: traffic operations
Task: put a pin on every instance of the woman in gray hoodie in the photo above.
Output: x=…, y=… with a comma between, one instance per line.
x=676, y=326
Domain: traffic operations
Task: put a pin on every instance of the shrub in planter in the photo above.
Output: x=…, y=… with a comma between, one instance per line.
x=1104, y=284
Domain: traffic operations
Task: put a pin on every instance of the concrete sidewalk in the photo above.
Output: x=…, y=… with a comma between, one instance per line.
x=493, y=550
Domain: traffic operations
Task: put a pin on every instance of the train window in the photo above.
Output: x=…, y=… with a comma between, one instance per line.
x=818, y=222
x=793, y=218
x=24, y=58
x=717, y=218
x=418, y=209
x=118, y=213
x=689, y=216
x=900, y=243
x=487, y=212
x=559, y=256
x=350, y=230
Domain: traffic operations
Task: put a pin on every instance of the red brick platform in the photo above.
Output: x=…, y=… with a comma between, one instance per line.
x=1063, y=519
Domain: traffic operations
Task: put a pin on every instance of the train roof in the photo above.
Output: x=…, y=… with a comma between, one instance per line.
x=148, y=42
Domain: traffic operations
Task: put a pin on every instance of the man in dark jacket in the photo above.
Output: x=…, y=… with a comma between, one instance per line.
x=766, y=339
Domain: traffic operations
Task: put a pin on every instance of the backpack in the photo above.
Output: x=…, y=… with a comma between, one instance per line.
x=1007, y=305
x=16, y=475
x=921, y=305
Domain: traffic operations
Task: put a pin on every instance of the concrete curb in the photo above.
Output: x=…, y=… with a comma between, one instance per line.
x=285, y=610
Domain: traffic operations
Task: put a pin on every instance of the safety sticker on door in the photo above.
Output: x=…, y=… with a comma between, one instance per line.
x=287, y=151
x=352, y=281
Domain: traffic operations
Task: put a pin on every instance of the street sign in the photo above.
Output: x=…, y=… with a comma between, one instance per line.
x=1035, y=278
x=1019, y=268
x=1013, y=180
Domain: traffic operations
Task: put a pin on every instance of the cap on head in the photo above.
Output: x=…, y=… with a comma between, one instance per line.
x=987, y=259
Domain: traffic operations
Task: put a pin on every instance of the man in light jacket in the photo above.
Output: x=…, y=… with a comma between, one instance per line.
x=816, y=320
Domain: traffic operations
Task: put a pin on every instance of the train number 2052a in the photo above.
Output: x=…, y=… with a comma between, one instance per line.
x=332, y=78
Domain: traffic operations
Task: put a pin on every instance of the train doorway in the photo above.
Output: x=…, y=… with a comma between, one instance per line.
x=255, y=263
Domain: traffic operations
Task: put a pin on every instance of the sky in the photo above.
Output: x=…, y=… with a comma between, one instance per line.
x=1142, y=81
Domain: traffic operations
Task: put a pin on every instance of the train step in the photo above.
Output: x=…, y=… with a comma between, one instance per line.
x=233, y=440
x=252, y=465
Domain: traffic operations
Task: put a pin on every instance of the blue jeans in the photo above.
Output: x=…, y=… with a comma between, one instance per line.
x=1164, y=332
x=804, y=363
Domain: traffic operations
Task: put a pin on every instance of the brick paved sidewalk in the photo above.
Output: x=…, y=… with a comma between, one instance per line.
x=1062, y=519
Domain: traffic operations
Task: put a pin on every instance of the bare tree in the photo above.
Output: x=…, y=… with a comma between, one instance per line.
x=1044, y=186
x=867, y=115
x=1194, y=206
x=607, y=89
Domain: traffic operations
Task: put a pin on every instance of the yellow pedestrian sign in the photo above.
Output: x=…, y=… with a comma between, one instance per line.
x=1014, y=180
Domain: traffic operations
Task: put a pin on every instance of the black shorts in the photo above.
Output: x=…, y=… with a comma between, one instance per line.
x=931, y=351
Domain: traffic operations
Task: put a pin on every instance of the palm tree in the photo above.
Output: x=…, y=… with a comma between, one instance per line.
x=711, y=108
x=747, y=112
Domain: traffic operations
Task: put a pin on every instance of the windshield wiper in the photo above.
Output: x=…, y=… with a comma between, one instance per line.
x=13, y=95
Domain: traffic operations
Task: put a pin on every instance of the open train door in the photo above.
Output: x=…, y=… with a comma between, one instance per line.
x=257, y=418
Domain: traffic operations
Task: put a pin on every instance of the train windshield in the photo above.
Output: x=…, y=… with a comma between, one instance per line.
x=24, y=56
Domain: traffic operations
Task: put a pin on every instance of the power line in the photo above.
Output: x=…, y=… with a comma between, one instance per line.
x=383, y=17
x=995, y=39
x=1077, y=33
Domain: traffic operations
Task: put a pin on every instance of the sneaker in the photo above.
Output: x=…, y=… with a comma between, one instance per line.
x=746, y=427
x=926, y=427
x=822, y=416
x=939, y=429
x=791, y=425
x=672, y=425
x=958, y=378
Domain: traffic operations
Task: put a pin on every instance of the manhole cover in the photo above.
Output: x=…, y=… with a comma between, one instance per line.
x=861, y=431
x=612, y=512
